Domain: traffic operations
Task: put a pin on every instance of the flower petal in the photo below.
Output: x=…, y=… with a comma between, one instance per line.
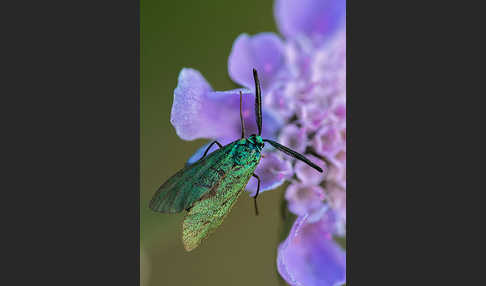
x=271, y=123
x=329, y=140
x=226, y=105
x=199, y=112
x=309, y=256
x=264, y=52
x=293, y=137
x=314, y=18
x=339, y=109
x=329, y=66
x=278, y=101
x=337, y=169
x=309, y=175
x=303, y=198
x=299, y=52
x=187, y=108
x=336, y=197
x=272, y=170
x=312, y=115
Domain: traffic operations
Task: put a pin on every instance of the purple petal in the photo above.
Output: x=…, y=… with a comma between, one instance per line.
x=272, y=170
x=299, y=91
x=271, y=123
x=312, y=115
x=225, y=102
x=317, y=19
x=336, y=197
x=337, y=169
x=199, y=152
x=309, y=175
x=263, y=51
x=294, y=137
x=278, y=101
x=303, y=198
x=187, y=115
x=329, y=66
x=309, y=256
x=339, y=109
x=199, y=112
x=299, y=52
x=328, y=140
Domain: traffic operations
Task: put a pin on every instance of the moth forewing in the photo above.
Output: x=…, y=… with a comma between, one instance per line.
x=204, y=217
x=188, y=185
x=209, y=212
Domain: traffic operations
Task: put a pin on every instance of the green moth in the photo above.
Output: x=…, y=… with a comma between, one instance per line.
x=209, y=188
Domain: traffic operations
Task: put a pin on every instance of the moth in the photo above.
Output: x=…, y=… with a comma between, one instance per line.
x=210, y=187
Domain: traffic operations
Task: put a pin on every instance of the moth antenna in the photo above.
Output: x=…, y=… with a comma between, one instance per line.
x=258, y=102
x=241, y=117
x=294, y=154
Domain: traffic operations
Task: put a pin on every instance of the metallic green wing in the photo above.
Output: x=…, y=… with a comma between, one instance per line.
x=209, y=212
x=188, y=185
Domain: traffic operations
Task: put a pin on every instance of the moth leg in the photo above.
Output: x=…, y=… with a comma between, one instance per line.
x=257, y=192
x=209, y=147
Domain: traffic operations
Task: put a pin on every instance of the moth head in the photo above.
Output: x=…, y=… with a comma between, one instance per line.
x=257, y=141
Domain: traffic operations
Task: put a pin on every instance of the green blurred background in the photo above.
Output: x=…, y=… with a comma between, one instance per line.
x=197, y=34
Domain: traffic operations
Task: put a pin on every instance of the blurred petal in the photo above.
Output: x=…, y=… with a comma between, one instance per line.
x=272, y=170
x=276, y=99
x=312, y=115
x=339, y=109
x=329, y=66
x=335, y=174
x=298, y=52
x=328, y=140
x=309, y=256
x=337, y=169
x=263, y=51
x=336, y=197
x=293, y=137
x=314, y=18
x=303, y=198
x=199, y=112
x=309, y=175
x=300, y=91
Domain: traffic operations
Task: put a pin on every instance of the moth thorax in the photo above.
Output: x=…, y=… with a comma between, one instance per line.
x=245, y=154
x=256, y=141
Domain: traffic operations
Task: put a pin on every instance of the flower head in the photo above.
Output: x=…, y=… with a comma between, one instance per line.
x=303, y=76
